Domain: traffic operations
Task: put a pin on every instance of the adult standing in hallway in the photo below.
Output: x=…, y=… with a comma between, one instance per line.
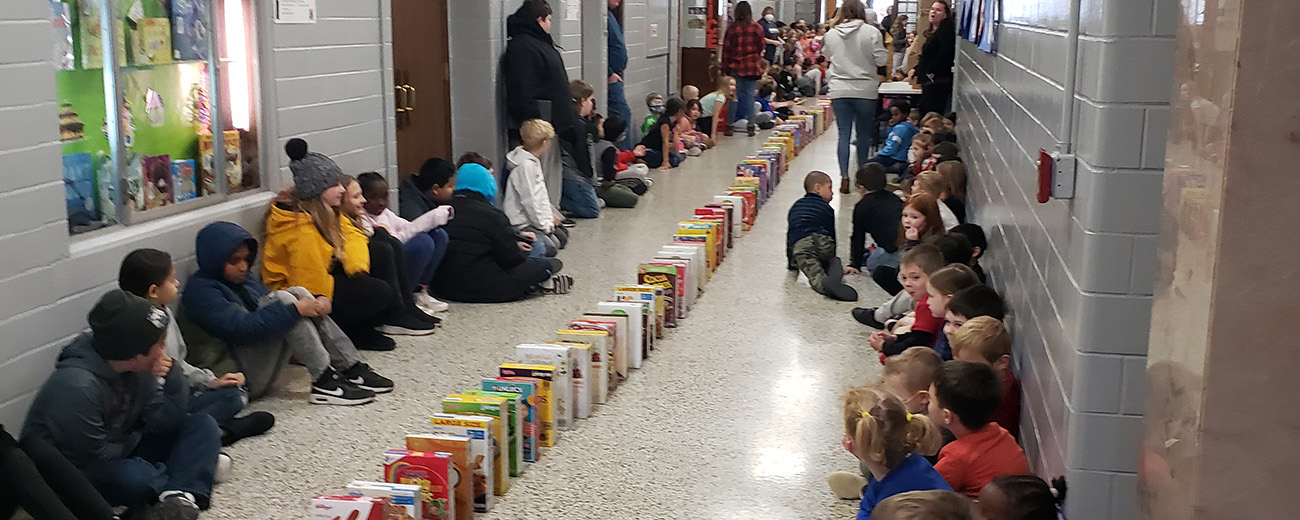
x=742, y=50
x=855, y=50
x=934, y=67
x=537, y=87
x=771, y=34
x=618, y=106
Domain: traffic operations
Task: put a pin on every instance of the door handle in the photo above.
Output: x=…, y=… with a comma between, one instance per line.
x=410, y=98
x=399, y=95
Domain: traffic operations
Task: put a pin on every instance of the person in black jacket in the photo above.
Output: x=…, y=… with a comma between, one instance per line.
x=486, y=261
x=537, y=86
x=877, y=213
x=934, y=67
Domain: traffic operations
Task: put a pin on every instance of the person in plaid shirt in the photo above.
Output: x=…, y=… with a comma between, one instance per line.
x=742, y=48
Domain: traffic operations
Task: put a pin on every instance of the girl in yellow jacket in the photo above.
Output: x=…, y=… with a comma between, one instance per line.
x=309, y=244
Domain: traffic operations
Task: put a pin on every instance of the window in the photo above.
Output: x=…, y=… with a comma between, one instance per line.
x=143, y=134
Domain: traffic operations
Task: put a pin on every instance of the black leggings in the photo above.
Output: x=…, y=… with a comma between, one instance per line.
x=887, y=278
x=35, y=476
x=388, y=263
x=361, y=303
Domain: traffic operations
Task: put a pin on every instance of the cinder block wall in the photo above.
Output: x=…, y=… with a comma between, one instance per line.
x=325, y=82
x=1078, y=273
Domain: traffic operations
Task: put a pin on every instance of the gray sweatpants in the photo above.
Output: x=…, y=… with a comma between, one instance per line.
x=317, y=342
x=898, y=304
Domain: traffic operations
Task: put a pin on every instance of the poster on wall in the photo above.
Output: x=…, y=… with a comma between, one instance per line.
x=695, y=24
x=295, y=11
x=977, y=22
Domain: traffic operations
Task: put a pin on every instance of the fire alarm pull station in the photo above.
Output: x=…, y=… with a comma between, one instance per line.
x=1055, y=176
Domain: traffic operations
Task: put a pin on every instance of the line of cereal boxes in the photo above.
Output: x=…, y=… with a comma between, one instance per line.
x=487, y=435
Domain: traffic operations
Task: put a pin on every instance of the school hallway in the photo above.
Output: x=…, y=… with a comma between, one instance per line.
x=735, y=415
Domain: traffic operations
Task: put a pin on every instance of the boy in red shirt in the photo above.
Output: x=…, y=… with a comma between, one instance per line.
x=913, y=272
x=985, y=340
x=965, y=396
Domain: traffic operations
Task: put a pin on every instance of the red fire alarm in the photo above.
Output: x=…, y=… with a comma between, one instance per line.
x=1046, y=165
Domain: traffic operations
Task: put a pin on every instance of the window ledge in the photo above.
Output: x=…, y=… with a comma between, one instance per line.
x=94, y=242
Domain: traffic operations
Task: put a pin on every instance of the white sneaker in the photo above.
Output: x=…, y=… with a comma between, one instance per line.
x=845, y=485
x=223, y=467
x=429, y=304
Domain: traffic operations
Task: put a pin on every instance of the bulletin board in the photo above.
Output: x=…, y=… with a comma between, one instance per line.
x=657, y=24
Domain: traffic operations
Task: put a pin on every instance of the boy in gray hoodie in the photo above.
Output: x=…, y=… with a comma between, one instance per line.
x=110, y=408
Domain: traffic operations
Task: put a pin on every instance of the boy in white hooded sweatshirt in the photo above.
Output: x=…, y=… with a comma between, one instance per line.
x=856, y=50
x=526, y=202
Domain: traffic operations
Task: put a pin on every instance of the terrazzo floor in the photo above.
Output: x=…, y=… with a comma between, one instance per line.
x=736, y=414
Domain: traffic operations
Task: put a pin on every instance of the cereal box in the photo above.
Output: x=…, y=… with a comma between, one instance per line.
x=638, y=341
x=484, y=451
x=512, y=416
x=617, y=325
x=340, y=507
x=641, y=293
x=545, y=376
x=585, y=380
x=529, y=412
x=405, y=496
x=458, y=447
x=430, y=471
x=561, y=384
x=487, y=406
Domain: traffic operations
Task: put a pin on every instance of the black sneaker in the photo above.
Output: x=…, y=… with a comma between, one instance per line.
x=867, y=316
x=560, y=284
x=250, y=425
x=841, y=291
x=405, y=324
x=173, y=507
x=373, y=340
x=361, y=376
x=332, y=389
x=569, y=223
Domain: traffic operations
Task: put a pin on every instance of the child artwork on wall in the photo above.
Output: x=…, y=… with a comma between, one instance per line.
x=157, y=181
x=154, y=108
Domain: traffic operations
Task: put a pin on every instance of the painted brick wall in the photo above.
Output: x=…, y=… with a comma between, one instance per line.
x=647, y=71
x=323, y=82
x=1078, y=273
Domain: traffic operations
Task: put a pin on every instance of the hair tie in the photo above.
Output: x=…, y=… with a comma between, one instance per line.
x=866, y=414
x=909, y=417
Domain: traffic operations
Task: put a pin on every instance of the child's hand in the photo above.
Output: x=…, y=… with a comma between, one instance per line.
x=529, y=235
x=525, y=246
x=639, y=151
x=665, y=166
x=877, y=340
x=307, y=308
x=231, y=379
x=912, y=233
x=162, y=366
x=851, y=270
x=324, y=305
x=555, y=217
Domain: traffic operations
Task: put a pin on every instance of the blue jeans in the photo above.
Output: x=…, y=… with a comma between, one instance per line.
x=182, y=460
x=891, y=164
x=539, y=249
x=746, y=88
x=655, y=158
x=578, y=196
x=424, y=253
x=221, y=404
x=618, y=107
x=850, y=113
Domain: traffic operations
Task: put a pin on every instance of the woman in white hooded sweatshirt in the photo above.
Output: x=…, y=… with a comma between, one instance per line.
x=856, y=50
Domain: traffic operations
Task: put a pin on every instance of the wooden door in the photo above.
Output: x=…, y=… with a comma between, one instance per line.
x=422, y=83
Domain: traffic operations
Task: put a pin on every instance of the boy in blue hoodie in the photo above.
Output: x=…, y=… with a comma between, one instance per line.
x=233, y=323
x=893, y=156
x=111, y=408
x=810, y=239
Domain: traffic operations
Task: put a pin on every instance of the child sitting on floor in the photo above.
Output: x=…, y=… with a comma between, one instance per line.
x=973, y=302
x=939, y=290
x=979, y=243
x=877, y=213
x=925, y=505
x=955, y=173
x=920, y=221
x=933, y=182
x=616, y=194
x=424, y=242
x=891, y=444
x=983, y=339
x=810, y=239
x=150, y=274
x=233, y=322
x=965, y=396
x=654, y=103
x=691, y=133
x=914, y=271
x=714, y=106
x=918, y=156
x=659, y=140
x=690, y=93
x=893, y=155
x=526, y=202
x=1022, y=497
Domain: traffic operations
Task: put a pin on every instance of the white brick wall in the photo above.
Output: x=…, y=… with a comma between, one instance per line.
x=325, y=82
x=1078, y=273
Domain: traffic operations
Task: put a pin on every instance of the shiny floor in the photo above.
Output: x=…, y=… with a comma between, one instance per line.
x=736, y=415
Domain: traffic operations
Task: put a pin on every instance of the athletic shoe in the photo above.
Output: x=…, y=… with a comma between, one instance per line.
x=560, y=284
x=847, y=486
x=844, y=186
x=429, y=304
x=568, y=223
x=867, y=316
x=174, y=505
x=250, y=425
x=750, y=129
x=361, y=376
x=423, y=316
x=840, y=291
x=373, y=340
x=332, y=389
x=404, y=324
x=223, y=467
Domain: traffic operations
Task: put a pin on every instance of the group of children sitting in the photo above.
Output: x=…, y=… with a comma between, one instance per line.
x=946, y=415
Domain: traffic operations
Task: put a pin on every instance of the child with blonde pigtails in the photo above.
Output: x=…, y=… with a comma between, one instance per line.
x=891, y=445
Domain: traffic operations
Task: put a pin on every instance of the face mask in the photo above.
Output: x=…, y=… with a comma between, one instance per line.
x=911, y=156
x=769, y=18
x=657, y=108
